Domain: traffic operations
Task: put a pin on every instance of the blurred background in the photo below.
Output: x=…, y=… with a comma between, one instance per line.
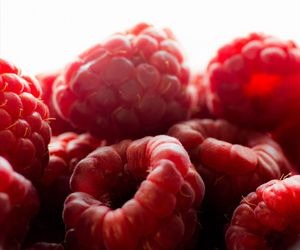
x=40, y=35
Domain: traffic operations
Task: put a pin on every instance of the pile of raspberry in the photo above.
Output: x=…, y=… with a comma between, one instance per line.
x=127, y=148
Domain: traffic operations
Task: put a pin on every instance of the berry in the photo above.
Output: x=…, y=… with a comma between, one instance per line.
x=141, y=194
x=18, y=204
x=133, y=84
x=268, y=218
x=232, y=161
x=255, y=81
x=46, y=80
x=66, y=150
x=24, y=128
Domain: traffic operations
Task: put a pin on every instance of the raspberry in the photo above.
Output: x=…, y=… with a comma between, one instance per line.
x=24, y=128
x=255, y=81
x=66, y=150
x=139, y=194
x=268, y=218
x=47, y=79
x=46, y=246
x=18, y=204
x=131, y=85
x=232, y=161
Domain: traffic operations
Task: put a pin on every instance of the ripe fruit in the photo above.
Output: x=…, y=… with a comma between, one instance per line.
x=133, y=84
x=232, y=161
x=268, y=218
x=255, y=81
x=18, y=204
x=24, y=128
x=140, y=194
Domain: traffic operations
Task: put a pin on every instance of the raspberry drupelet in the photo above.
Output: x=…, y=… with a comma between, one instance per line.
x=254, y=81
x=132, y=85
x=24, y=128
x=18, y=204
x=267, y=219
x=133, y=195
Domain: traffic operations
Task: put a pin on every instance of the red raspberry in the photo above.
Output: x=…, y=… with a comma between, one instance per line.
x=24, y=128
x=134, y=195
x=47, y=79
x=133, y=84
x=255, y=81
x=66, y=150
x=268, y=218
x=18, y=204
x=45, y=246
x=232, y=161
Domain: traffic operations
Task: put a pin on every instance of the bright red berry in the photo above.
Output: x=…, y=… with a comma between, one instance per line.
x=140, y=194
x=268, y=218
x=255, y=81
x=18, y=204
x=24, y=128
x=133, y=84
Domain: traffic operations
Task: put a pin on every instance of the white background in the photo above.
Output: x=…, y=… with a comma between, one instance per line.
x=41, y=35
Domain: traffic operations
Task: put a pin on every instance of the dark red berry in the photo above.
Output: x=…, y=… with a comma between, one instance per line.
x=140, y=194
x=232, y=161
